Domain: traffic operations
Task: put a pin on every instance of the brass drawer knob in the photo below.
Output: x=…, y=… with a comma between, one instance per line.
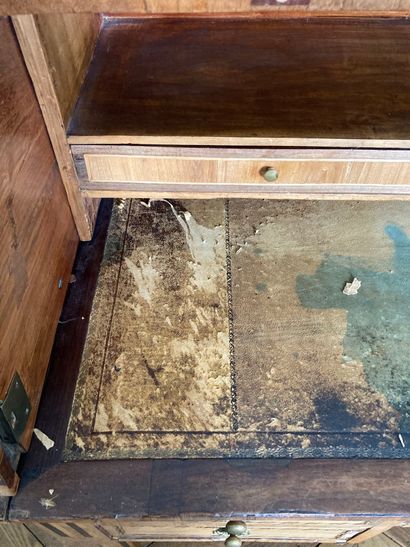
x=270, y=174
x=233, y=541
x=235, y=528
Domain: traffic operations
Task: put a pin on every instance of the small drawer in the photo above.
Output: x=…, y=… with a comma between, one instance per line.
x=257, y=529
x=327, y=170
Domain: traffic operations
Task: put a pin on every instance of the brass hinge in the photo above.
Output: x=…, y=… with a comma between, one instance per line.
x=14, y=411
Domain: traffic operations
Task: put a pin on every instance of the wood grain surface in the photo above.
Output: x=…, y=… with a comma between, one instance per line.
x=37, y=232
x=17, y=534
x=326, y=171
x=203, y=487
x=56, y=63
x=326, y=78
x=211, y=191
x=65, y=534
x=11, y=7
x=262, y=529
x=68, y=41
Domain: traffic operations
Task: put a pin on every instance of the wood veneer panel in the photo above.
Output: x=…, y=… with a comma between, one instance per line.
x=219, y=171
x=37, y=231
x=57, y=50
x=68, y=42
x=13, y=7
x=383, y=172
x=234, y=488
x=275, y=80
x=67, y=350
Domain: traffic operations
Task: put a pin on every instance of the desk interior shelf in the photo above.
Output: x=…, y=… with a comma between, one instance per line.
x=257, y=106
x=280, y=81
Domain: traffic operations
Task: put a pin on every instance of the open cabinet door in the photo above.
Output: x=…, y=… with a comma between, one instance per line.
x=38, y=245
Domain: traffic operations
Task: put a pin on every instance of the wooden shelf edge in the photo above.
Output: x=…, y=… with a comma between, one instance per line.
x=203, y=191
x=189, y=140
x=10, y=7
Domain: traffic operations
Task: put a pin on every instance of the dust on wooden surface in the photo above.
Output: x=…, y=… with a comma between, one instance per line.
x=216, y=331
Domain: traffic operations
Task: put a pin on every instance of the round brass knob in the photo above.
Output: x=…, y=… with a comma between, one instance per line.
x=270, y=174
x=233, y=541
x=236, y=527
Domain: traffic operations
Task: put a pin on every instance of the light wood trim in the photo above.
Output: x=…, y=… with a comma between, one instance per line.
x=372, y=532
x=337, y=154
x=11, y=7
x=9, y=480
x=189, y=140
x=47, y=66
x=208, y=191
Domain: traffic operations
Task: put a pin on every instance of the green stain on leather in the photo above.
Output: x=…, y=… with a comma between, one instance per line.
x=378, y=318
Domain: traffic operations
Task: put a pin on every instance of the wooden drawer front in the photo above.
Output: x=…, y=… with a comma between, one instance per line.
x=186, y=172
x=236, y=166
x=286, y=529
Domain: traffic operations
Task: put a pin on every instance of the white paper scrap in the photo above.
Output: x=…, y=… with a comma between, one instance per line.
x=353, y=287
x=44, y=439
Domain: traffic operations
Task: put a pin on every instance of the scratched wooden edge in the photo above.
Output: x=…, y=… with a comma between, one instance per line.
x=143, y=489
x=208, y=191
x=244, y=153
x=95, y=141
x=128, y=489
x=386, y=8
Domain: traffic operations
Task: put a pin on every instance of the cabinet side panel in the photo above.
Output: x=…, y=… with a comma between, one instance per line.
x=68, y=41
x=37, y=232
x=56, y=59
